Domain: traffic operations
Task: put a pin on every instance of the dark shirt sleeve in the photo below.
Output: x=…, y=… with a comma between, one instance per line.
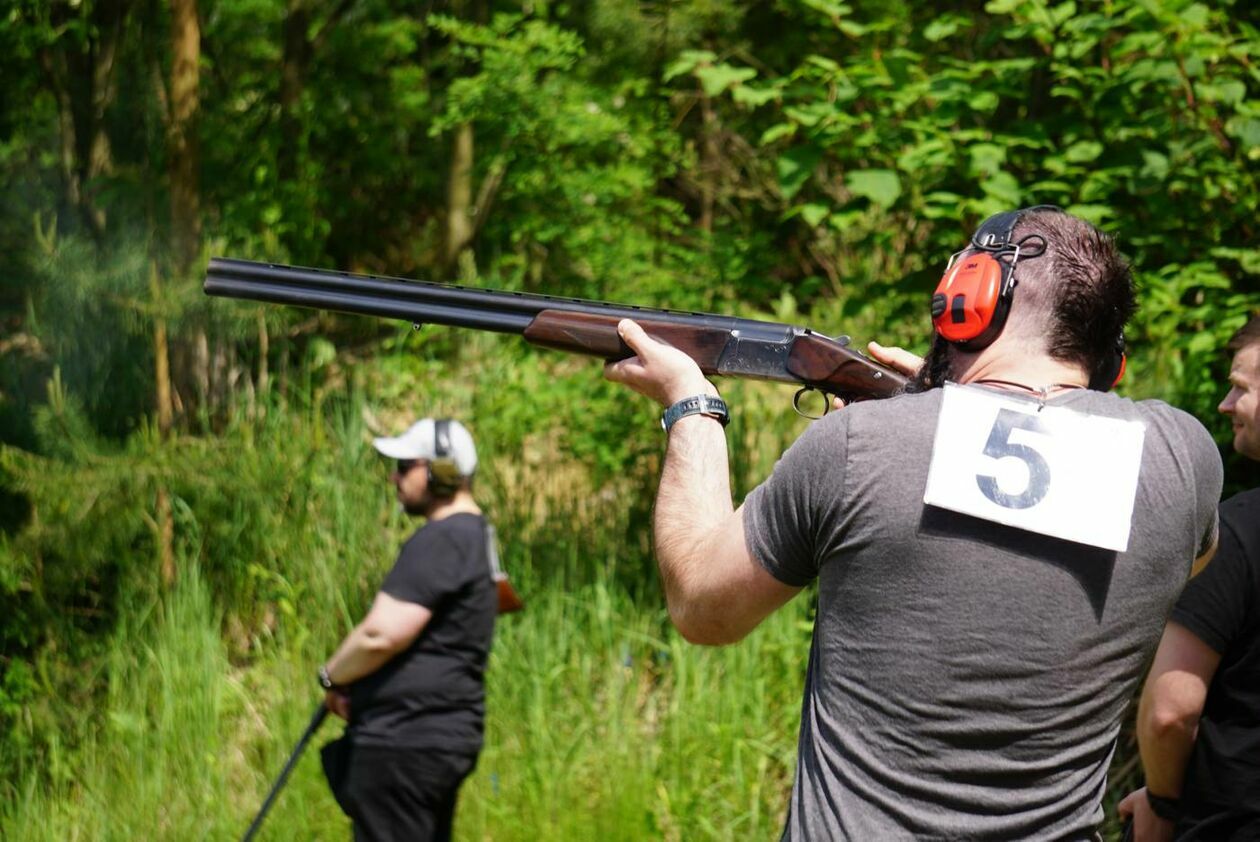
x=428, y=569
x=784, y=516
x=1215, y=604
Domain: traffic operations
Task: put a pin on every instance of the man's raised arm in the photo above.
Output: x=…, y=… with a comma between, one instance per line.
x=716, y=591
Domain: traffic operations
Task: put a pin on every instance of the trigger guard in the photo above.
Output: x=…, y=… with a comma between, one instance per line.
x=796, y=402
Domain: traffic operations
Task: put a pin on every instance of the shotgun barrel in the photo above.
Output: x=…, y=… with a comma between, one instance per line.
x=721, y=345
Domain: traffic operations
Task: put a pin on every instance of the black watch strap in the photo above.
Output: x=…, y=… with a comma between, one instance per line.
x=710, y=405
x=324, y=680
x=1164, y=807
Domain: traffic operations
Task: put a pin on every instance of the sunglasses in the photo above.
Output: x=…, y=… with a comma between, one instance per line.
x=405, y=465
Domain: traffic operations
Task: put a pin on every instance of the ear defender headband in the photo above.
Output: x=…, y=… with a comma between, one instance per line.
x=444, y=475
x=973, y=299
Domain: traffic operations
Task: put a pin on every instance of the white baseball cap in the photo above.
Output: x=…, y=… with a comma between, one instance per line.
x=419, y=442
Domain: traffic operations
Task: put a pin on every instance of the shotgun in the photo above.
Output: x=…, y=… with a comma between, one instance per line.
x=720, y=345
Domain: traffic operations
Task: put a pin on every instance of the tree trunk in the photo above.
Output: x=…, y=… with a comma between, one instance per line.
x=184, y=153
x=161, y=358
x=710, y=161
x=165, y=520
x=293, y=69
x=165, y=537
x=459, y=192
x=182, y=136
x=110, y=18
x=53, y=63
x=81, y=75
x=201, y=366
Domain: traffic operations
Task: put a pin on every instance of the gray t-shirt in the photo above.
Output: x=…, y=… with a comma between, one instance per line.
x=967, y=679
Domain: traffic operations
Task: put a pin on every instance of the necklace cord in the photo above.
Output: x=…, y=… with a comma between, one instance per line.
x=1042, y=394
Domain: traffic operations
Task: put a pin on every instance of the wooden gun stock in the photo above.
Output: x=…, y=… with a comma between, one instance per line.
x=803, y=357
x=594, y=334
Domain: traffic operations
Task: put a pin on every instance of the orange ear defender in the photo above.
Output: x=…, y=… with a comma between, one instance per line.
x=1106, y=378
x=974, y=296
x=971, y=302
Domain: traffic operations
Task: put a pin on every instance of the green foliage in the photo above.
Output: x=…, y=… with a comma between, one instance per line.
x=90, y=317
x=1134, y=120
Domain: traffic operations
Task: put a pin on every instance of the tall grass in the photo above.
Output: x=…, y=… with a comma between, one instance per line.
x=605, y=725
x=601, y=725
x=163, y=721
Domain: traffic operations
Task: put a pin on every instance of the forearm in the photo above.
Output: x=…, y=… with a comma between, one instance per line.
x=692, y=507
x=1165, y=743
x=361, y=653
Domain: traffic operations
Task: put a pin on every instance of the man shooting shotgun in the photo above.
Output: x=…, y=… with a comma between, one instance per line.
x=995, y=550
x=720, y=345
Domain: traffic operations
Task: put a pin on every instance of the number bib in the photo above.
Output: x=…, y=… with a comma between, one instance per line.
x=1052, y=470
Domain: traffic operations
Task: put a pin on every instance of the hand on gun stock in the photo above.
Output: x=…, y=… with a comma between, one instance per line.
x=657, y=371
x=898, y=359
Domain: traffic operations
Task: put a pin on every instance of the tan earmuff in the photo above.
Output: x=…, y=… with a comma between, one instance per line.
x=444, y=475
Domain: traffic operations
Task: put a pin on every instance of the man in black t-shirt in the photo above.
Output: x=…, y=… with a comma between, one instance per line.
x=409, y=679
x=1199, y=719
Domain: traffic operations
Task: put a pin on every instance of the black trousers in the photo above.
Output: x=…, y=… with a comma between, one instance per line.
x=395, y=794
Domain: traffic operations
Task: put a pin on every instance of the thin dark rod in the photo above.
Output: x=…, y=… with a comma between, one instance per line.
x=316, y=720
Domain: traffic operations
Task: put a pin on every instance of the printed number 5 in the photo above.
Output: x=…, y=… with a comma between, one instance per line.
x=999, y=445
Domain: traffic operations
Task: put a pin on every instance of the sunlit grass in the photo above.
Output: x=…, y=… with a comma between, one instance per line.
x=602, y=724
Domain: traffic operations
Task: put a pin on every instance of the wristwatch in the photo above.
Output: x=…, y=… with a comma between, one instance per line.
x=710, y=405
x=324, y=680
x=1166, y=808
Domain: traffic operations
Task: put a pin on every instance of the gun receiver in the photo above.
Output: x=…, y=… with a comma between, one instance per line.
x=720, y=345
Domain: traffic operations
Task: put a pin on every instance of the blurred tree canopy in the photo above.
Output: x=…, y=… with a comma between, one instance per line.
x=711, y=154
x=806, y=159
